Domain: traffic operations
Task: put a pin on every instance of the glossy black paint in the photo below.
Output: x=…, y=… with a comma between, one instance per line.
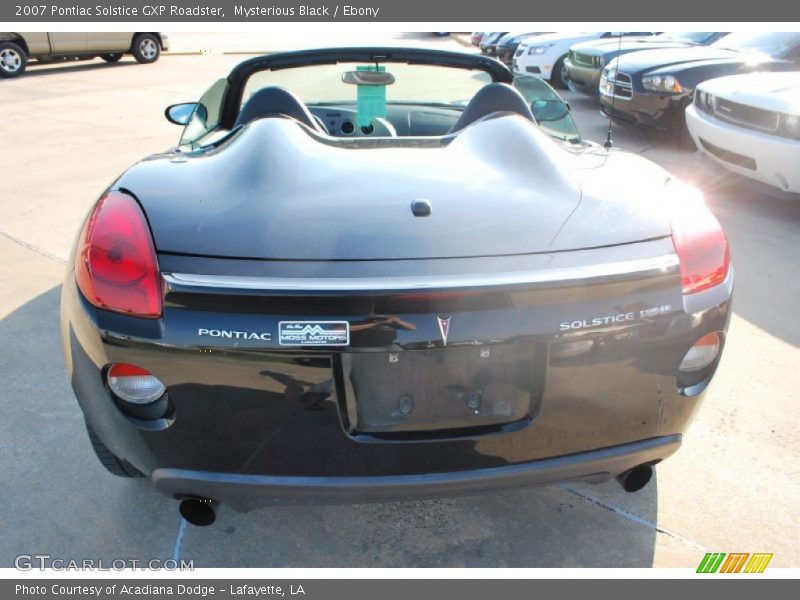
x=585, y=79
x=691, y=66
x=254, y=409
x=517, y=243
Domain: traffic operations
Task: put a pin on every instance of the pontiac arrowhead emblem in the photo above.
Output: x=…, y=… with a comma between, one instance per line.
x=444, y=328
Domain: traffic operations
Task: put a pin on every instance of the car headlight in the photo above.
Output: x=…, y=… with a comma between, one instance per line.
x=539, y=49
x=600, y=62
x=662, y=83
x=790, y=125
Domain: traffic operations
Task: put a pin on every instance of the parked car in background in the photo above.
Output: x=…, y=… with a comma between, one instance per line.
x=545, y=55
x=488, y=41
x=507, y=45
x=750, y=124
x=652, y=88
x=16, y=49
x=586, y=60
x=475, y=38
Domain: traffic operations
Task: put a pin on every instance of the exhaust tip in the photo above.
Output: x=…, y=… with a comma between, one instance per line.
x=201, y=512
x=635, y=479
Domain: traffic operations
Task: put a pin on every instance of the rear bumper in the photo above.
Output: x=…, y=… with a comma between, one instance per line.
x=766, y=158
x=246, y=492
x=255, y=423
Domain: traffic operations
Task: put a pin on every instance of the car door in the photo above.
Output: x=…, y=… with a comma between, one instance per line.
x=68, y=42
x=108, y=41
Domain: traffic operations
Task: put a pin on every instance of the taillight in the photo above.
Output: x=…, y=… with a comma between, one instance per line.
x=701, y=354
x=700, y=242
x=134, y=384
x=115, y=264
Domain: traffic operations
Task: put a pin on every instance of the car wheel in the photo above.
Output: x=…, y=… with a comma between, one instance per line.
x=559, y=76
x=13, y=60
x=146, y=48
x=113, y=464
x=112, y=58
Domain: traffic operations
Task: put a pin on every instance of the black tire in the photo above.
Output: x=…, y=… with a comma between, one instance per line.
x=112, y=58
x=13, y=60
x=146, y=48
x=113, y=464
x=558, y=76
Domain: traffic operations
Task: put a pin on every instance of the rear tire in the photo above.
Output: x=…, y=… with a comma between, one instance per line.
x=113, y=463
x=559, y=75
x=13, y=60
x=146, y=48
x=112, y=58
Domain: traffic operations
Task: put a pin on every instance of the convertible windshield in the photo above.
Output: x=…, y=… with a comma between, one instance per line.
x=422, y=84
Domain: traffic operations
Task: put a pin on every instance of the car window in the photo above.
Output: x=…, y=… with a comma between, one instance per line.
x=205, y=117
x=421, y=84
x=549, y=109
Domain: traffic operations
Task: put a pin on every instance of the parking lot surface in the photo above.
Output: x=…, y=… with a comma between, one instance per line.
x=69, y=130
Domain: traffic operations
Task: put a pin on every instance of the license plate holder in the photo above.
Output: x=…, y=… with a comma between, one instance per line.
x=460, y=388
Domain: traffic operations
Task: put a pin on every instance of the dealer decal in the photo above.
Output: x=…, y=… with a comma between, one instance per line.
x=313, y=333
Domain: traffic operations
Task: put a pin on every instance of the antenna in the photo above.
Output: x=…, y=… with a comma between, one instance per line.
x=609, y=141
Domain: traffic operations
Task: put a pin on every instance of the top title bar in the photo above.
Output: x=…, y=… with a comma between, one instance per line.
x=396, y=11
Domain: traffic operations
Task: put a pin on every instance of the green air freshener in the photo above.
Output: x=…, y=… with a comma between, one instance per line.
x=371, y=99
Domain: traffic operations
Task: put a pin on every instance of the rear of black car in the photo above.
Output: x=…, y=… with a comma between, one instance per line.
x=365, y=380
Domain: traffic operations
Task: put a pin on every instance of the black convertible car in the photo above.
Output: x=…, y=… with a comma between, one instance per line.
x=383, y=273
x=653, y=87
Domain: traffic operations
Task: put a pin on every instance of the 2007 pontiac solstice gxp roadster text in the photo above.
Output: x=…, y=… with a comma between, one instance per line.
x=380, y=273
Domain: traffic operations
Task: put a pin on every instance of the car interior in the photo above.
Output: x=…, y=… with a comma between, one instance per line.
x=400, y=120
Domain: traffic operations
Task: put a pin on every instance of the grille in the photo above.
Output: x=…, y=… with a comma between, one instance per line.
x=732, y=157
x=623, y=88
x=746, y=116
x=584, y=60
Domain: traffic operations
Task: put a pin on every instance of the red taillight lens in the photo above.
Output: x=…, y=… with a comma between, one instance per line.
x=115, y=265
x=700, y=243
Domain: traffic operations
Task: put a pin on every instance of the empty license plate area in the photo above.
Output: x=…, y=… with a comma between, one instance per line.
x=443, y=389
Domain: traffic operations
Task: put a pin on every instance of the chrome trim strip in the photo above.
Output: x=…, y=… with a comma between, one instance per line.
x=639, y=267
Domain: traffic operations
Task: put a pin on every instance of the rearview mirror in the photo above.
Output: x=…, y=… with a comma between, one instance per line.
x=180, y=114
x=367, y=78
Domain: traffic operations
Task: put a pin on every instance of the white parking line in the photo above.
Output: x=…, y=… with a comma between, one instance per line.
x=633, y=517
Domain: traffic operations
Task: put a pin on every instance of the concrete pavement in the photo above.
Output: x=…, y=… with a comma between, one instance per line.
x=68, y=130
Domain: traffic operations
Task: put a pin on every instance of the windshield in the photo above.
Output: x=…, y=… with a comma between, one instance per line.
x=413, y=84
x=775, y=44
x=693, y=37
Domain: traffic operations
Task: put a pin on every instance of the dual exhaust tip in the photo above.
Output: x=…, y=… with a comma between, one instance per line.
x=202, y=512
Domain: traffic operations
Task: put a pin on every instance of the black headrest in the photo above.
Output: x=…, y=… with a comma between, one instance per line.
x=275, y=101
x=494, y=98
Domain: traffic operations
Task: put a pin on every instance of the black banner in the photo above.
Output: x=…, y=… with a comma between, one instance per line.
x=419, y=11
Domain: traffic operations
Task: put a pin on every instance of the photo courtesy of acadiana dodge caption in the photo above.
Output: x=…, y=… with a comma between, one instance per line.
x=376, y=273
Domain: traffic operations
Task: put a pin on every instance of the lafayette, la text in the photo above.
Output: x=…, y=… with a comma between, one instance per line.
x=150, y=589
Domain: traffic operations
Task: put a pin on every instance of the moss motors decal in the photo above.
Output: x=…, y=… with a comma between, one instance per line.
x=313, y=333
